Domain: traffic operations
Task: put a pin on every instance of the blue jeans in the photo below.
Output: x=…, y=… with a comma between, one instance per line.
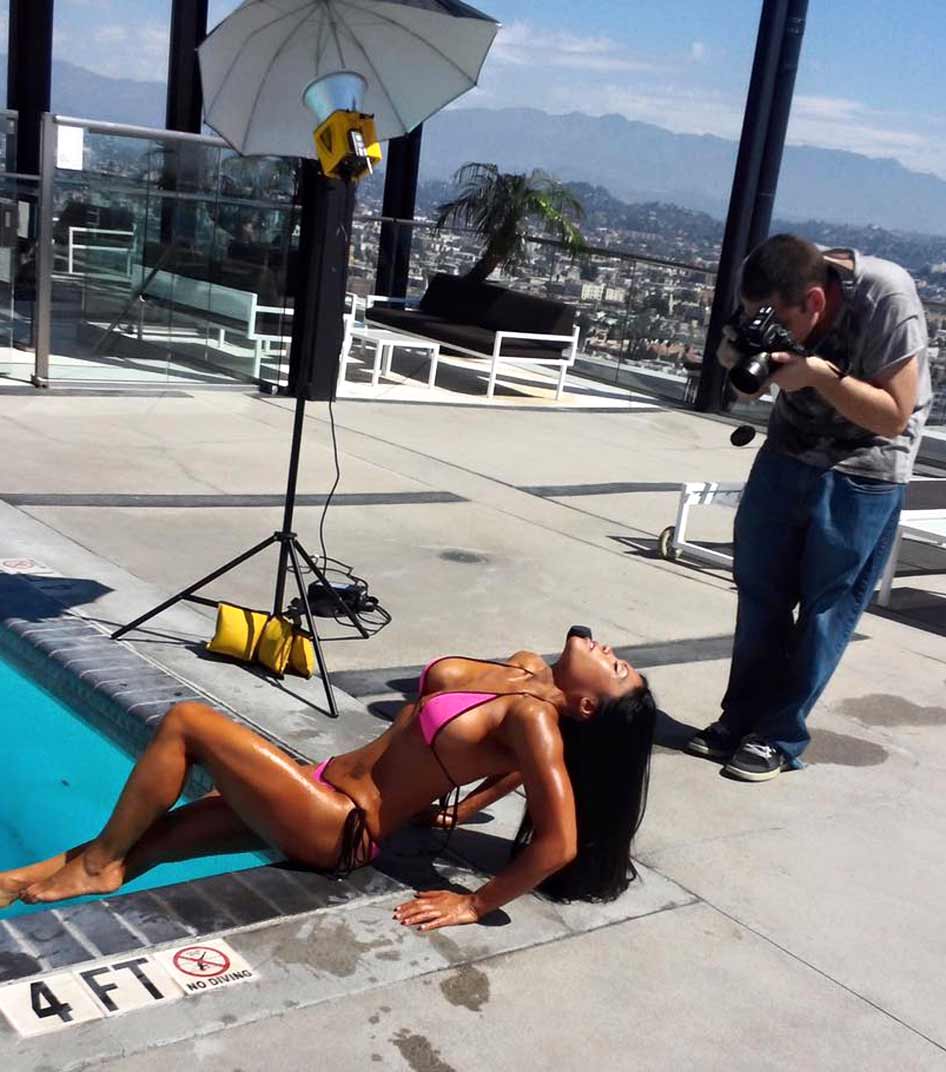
x=810, y=538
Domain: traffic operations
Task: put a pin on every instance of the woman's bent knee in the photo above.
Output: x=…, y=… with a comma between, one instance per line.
x=184, y=716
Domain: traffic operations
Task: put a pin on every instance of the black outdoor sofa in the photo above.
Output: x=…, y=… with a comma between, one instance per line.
x=487, y=321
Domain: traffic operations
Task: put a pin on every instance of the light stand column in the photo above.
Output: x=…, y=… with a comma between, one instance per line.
x=317, y=335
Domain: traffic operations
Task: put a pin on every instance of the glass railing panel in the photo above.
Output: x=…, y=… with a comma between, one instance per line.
x=172, y=262
x=936, y=323
x=363, y=254
x=108, y=195
x=643, y=321
x=8, y=121
x=18, y=216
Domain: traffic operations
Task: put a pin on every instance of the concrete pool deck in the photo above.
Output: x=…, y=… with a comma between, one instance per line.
x=794, y=924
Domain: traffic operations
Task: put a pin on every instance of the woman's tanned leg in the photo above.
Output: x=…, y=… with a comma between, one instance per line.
x=204, y=827
x=17, y=879
x=262, y=787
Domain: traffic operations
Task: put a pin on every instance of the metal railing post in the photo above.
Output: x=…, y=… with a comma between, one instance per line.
x=44, y=251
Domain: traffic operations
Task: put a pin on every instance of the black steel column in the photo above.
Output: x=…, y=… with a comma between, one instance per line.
x=185, y=98
x=400, y=194
x=29, y=77
x=184, y=111
x=778, y=122
x=735, y=246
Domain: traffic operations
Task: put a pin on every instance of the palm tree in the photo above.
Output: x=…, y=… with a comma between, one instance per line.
x=498, y=207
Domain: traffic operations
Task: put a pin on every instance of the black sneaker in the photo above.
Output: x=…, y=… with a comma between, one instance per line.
x=755, y=760
x=715, y=742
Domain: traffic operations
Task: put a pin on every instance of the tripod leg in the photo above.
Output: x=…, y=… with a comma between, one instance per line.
x=310, y=621
x=119, y=633
x=323, y=580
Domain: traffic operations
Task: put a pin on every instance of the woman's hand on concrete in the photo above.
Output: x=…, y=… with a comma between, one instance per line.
x=431, y=909
x=438, y=817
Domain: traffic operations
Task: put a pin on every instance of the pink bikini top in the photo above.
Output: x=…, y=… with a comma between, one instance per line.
x=439, y=710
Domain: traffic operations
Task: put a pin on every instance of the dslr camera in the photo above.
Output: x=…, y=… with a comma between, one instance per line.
x=755, y=339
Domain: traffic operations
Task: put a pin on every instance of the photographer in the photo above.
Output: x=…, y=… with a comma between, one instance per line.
x=820, y=509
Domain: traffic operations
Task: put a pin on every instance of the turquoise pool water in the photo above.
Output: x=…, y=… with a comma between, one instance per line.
x=60, y=780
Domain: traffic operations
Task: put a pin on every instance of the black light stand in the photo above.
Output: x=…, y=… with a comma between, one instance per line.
x=325, y=230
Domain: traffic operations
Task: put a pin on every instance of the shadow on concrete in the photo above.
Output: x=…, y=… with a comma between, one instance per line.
x=647, y=548
x=909, y=605
x=409, y=855
x=670, y=735
x=385, y=710
x=283, y=685
x=912, y=606
x=36, y=599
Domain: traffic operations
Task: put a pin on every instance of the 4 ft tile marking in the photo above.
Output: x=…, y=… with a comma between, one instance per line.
x=119, y=985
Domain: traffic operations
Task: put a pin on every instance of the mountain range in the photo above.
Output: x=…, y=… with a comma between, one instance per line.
x=642, y=162
x=636, y=162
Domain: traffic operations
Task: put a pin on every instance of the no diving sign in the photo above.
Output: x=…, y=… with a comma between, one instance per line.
x=201, y=961
x=207, y=966
x=100, y=990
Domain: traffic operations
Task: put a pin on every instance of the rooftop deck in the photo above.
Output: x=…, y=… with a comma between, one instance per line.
x=483, y=529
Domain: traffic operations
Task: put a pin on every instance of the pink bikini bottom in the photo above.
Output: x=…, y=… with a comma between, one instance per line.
x=358, y=814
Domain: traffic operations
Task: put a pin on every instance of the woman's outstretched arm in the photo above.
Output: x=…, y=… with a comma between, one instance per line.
x=532, y=732
x=487, y=792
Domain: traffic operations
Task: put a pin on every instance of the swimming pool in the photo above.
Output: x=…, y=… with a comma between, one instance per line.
x=61, y=779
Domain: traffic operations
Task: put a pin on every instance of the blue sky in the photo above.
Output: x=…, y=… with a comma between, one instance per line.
x=871, y=78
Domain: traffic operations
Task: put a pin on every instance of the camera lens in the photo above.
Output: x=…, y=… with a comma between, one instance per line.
x=749, y=376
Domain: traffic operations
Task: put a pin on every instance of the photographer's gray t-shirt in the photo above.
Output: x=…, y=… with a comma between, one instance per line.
x=881, y=324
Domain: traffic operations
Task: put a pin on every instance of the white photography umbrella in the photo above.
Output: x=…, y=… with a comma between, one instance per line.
x=415, y=56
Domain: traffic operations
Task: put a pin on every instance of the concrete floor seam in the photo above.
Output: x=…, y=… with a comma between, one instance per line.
x=518, y=517
x=807, y=963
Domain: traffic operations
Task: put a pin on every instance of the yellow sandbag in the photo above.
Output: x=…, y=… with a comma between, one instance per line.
x=302, y=656
x=275, y=645
x=238, y=631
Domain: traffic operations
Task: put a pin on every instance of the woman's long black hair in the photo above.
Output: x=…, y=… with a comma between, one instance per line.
x=608, y=763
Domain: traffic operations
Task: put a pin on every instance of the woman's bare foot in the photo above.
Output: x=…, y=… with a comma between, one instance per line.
x=15, y=881
x=80, y=876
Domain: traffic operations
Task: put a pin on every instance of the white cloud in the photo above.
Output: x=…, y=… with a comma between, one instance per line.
x=522, y=44
x=918, y=141
x=118, y=50
x=698, y=51
x=111, y=35
x=830, y=108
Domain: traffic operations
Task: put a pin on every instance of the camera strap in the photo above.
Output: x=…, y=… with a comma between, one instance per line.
x=842, y=261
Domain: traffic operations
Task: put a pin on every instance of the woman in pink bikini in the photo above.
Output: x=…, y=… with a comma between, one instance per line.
x=576, y=735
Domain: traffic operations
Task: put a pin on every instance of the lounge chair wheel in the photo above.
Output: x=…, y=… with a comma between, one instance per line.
x=665, y=547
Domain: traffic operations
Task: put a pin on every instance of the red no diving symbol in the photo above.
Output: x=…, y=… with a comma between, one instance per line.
x=201, y=960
